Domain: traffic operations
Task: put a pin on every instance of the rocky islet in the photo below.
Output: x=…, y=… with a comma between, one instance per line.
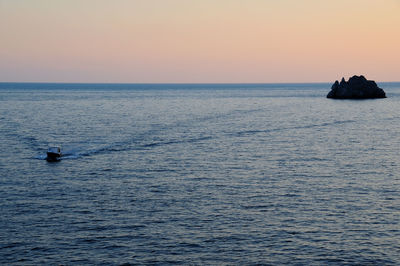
x=358, y=87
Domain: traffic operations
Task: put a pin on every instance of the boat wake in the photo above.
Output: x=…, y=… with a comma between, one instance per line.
x=76, y=153
x=155, y=142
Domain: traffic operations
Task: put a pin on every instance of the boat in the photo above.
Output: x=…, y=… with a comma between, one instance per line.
x=54, y=154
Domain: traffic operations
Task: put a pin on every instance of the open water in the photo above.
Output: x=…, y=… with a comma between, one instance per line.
x=198, y=174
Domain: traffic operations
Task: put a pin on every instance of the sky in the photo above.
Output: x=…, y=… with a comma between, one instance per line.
x=198, y=41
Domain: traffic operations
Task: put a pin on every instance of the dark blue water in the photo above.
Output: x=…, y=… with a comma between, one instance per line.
x=198, y=174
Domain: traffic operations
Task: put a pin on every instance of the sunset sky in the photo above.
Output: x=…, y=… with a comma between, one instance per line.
x=196, y=41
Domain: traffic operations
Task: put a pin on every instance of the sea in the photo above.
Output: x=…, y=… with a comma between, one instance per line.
x=198, y=174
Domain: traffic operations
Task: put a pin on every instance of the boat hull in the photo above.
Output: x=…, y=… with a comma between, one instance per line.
x=52, y=157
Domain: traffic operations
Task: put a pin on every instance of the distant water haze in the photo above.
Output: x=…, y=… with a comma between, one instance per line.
x=198, y=41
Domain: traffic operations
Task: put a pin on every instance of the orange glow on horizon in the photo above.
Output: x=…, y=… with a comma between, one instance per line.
x=198, y=41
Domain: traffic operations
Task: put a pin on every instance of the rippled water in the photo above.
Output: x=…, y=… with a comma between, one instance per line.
x=198, y=174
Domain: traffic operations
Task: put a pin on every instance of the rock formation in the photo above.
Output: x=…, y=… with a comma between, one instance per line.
x=358, y=87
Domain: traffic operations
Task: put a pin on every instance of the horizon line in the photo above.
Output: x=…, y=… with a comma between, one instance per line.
x=175, y=83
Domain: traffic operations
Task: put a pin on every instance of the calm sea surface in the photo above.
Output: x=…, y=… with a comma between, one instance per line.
x=198, y=174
